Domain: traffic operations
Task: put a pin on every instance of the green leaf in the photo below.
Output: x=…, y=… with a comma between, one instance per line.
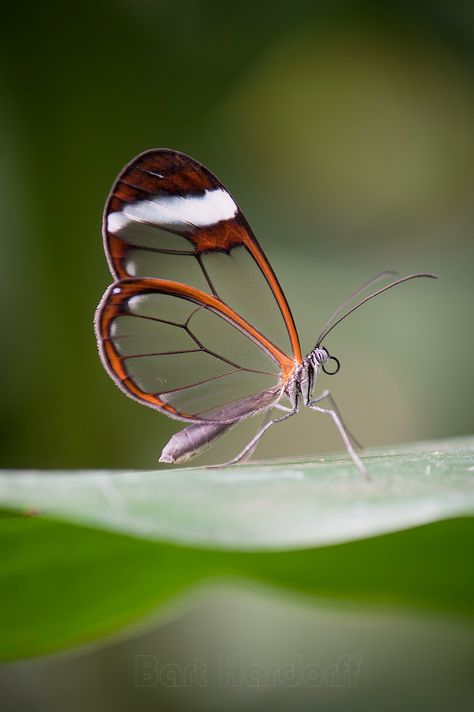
x=263, y=506
x=64, y=583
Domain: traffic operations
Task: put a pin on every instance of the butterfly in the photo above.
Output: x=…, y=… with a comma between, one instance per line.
x=196, y=324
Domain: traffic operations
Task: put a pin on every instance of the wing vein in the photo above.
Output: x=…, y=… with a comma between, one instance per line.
x=162, y=353
x=198, y=383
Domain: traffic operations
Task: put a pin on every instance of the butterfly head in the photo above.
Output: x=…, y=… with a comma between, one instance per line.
x=320, y=356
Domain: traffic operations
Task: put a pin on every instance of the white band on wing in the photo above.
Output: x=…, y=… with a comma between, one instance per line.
x=209, y=208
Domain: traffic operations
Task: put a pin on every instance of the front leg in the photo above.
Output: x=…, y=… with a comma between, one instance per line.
x=328, y=395
x=345, y=438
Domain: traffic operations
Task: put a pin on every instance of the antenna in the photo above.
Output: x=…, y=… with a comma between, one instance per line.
x=373, y=280
x=329, y=326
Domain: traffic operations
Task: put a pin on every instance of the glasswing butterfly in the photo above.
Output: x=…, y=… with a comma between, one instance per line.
x=196, y=324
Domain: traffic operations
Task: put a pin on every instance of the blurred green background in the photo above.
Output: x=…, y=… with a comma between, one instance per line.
x=345, y=131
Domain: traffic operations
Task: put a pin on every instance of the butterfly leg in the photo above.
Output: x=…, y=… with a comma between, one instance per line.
x=284, y=408
x=342, y=431
x=250, y=447
x=266, y=419
x=328, y=395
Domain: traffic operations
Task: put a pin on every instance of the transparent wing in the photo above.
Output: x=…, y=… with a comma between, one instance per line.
x=168, y=217
x=186, y=353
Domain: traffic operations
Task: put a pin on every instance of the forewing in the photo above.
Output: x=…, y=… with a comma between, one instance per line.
x=168, y=217
x=186, y=353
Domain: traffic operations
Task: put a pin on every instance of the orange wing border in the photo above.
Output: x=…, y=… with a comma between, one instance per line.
x=112, y=305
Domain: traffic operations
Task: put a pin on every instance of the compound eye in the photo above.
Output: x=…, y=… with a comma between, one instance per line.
x=320, y=355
